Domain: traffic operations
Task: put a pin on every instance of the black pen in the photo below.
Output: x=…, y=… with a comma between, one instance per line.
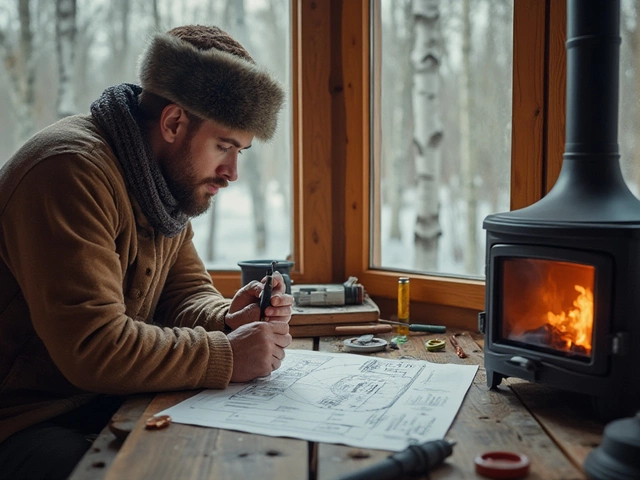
x=265, y=299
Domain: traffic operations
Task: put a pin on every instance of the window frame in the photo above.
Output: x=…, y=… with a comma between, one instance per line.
x=331, y=150
x=537, y=144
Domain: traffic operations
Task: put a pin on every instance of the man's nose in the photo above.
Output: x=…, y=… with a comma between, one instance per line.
x=229, y=168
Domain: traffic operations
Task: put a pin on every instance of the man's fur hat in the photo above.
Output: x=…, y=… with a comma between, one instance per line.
x=212, y=76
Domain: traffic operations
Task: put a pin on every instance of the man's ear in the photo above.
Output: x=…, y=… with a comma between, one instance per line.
x=173, y=123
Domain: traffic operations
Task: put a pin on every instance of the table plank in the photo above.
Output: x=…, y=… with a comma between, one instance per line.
x=498, y=420
x=187, y=451
x=488, y=420
x=568, y=417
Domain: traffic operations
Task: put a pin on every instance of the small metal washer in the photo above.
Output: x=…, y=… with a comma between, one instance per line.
x=376, y=345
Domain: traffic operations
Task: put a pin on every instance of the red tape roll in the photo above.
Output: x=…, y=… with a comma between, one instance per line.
x=502, y=465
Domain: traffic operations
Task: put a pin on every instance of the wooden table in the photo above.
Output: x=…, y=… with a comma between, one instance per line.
x=555, y=429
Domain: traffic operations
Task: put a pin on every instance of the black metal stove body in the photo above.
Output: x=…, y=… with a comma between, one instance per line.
x=563, y=275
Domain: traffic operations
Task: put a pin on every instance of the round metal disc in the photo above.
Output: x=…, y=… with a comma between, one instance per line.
x=375, y=345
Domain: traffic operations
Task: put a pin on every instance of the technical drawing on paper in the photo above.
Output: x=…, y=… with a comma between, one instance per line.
x=377, y=385
x=361, y=401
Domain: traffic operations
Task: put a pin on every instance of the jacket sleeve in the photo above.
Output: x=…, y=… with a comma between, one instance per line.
x=62, y=225
x=189, y=298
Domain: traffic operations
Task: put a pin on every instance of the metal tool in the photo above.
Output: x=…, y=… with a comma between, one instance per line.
x=459, y=351
x=365, y=344
x=414, y=460
x=265, y=299
x=364, y=339
x=322, y=295
x=419, y=327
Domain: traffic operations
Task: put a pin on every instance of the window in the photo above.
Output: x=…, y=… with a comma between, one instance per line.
x=530, y=146
x=252, y=218
x=629, y=114
x=330, y=105
x=441, y=136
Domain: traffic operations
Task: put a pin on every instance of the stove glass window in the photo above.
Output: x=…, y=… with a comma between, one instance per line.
x=548, y=305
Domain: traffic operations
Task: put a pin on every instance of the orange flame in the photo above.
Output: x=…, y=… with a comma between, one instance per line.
x=575, y=327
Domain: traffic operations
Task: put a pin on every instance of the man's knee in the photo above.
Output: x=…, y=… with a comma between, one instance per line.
x=63, y=456
x=45, y=451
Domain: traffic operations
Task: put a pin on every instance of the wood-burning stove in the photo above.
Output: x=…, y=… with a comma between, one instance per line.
x=563, y=275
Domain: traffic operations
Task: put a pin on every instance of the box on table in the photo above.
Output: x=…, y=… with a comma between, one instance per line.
x=321, y=321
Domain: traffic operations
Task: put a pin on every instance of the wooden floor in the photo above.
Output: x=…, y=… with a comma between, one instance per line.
x=555, y=429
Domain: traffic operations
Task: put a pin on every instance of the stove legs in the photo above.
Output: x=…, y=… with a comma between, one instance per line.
x=494, y=378
x=609, y=408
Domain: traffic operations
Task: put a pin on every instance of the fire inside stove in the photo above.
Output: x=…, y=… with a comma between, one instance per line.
x=549, y=305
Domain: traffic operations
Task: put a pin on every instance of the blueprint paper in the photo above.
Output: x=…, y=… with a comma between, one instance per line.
x=361, y=401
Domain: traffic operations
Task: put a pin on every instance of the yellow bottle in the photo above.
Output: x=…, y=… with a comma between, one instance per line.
x=403, y=306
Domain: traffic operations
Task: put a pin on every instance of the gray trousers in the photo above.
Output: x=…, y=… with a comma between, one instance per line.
x=50, y=450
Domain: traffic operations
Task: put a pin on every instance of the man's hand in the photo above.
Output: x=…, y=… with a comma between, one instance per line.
x=258, y=349
x=245, y=306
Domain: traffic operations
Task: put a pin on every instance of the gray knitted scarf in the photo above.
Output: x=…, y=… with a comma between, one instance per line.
x=117, y=112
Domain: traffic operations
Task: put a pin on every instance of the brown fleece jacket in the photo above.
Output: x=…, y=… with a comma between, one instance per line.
x=92, y=299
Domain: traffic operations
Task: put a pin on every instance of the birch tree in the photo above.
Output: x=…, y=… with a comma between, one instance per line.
x=253, y=171
x=398, y=130
x=65, y=48
x=235, y=16
x=428, y=133
x=87, y=21
x=156, y=15
x=467, y=165
x=629, y=118
x=390, y=187
x=634, y=44
x=277, y=150
x=118, y=23
x=491, y=94
x=19, y=65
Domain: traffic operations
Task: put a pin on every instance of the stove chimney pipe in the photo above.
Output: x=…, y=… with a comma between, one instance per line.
x=591, y=174
x=593, y=59
x=590, y=187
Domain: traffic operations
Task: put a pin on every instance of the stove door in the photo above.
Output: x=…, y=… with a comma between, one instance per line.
x=551, y=303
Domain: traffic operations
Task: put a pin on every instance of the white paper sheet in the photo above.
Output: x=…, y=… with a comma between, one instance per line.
x=361, y=401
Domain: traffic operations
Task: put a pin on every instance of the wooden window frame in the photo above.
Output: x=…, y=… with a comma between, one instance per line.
x=331, y=160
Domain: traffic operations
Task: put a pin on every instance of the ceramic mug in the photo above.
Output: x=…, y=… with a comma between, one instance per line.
x=257, y=269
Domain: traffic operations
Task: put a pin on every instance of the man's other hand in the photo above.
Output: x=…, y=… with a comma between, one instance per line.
x=258, y=349
x=245, y=305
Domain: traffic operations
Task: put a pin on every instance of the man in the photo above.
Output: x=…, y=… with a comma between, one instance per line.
x=102, y=293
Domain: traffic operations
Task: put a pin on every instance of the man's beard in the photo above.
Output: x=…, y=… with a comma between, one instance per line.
x=183, y=184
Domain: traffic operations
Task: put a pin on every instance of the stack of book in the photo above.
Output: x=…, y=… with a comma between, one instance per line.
x=312, y=321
